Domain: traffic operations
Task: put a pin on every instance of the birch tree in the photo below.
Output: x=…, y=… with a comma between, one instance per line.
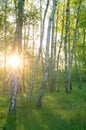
x=39, y=52
x=19, y=24
x=66, y=45
x=78, y=62
x=52, y=77
x=74, y=37
x=61, y=42
x=5, y=37
x=18, y=45
x=14, y=83
x=45, y=76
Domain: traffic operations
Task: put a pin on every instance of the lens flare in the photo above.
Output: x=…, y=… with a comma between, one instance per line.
x=15, y=61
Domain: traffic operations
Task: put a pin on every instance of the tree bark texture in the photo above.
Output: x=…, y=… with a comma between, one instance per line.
x=5, y=53
x=60, y=46
x=45, y=76
x=19, y=23
x=74, y=37
x=62, y=31
x=40, y=51
x=14, y=83
x=52, y=76
x=18, y=47
x=67, y=78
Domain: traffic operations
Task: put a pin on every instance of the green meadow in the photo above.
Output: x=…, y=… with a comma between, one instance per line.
x=59, y=111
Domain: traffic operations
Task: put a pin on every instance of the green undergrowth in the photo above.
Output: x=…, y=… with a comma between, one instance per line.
x=59, y=111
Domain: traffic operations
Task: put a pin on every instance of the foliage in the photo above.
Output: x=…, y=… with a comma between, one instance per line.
x=59, y=111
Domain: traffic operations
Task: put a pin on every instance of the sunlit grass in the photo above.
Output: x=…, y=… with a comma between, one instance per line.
x=60, y=111
x=4, y=105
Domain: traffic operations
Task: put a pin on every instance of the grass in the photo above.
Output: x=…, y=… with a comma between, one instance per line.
x=60, y=111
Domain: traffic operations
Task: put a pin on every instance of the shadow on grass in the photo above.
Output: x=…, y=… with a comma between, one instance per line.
x=54, y=121
x=23, y=114
x=54, y=115
x=42, y=119
x=11, y=121
x=7, y=120
x=59, y=112
x=30, y=118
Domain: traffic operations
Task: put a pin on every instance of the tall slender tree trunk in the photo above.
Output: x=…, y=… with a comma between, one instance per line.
x=18, y=48
x=74, y=37
x=56, y=35
x=19, y=24
x=84, y=52
x=5, y=53
x=78, y=66
x=45, y=76
x=23, y=59
x=58, y=55
x=62, y=31
x=69, y=84
x=33, y=41
x=39, y=52
x=28, y=32
x=52, y=60
x=14, y=83
x=77, y=78
x=55, y=47
x=67, y=78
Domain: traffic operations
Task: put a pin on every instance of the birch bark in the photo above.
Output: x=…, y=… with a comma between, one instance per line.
x=66, y=45
x=84, y=52
x=18, y=47
x=5, y=53
x=58, y=55
x=45, y=76
x=74, y=37
x=38, y=58
x=78, y=66
x=14, y=82
x=75, y=34
x=52, y=61
x=19, y=23
x=62, y=31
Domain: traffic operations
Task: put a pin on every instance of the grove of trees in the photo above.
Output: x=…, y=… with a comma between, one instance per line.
x=49, y=36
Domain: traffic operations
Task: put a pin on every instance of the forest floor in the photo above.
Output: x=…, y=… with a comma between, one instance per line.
x=59, y=111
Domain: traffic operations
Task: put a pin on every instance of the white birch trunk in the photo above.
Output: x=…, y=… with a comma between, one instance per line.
x=56, y=35
x=5, y=53
x=14, y=83
x=18, y=45
x=62, y=31
x=58, y=55
x=52, y=61
x=84, y=52
x=38, y=58
x=19, y=23
x=75, y=36
x=69, y=69
x=47, y=54
x=66, y=45
x=78, y=66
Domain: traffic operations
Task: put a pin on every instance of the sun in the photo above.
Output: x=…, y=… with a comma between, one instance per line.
x=15, y=61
